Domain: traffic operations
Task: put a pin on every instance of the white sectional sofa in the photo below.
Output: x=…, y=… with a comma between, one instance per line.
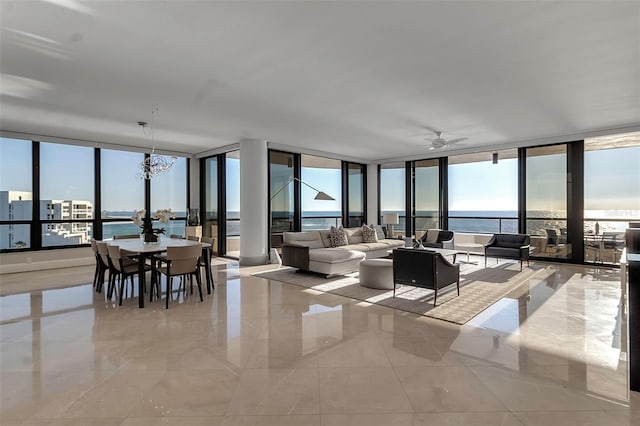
x=312, y=251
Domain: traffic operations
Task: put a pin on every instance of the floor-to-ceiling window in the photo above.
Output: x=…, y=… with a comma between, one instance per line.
x=546, y=201
x=66, y=194
x=282, y=194
x=79, y=192
x=210, y=198
x=392, y=197
x=307, y=192
x=483, y=192
x=16, y=205
x=121, y=193
x=320, y=174
x=611, y=194
x=356, y=194
x=426, y=196
x=232, y=197
x=169, y=191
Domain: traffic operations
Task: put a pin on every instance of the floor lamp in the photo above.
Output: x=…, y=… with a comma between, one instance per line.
x=319, y=196
x=390, y=219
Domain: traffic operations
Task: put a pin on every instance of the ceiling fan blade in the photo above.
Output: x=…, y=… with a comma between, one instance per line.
x=452, y=141
x=431, y=129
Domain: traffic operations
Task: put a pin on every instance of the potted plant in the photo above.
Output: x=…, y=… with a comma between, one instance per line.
x=151, y=234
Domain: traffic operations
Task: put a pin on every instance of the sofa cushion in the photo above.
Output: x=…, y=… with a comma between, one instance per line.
x=334, y=255
x=309, y=239
x=337, y=237
x=376, y=246
x=391, y=243
x=354, y=235
x=502, y=251
x=369, y=234
x=379, y=232
x=357, y=247
x=325, y=234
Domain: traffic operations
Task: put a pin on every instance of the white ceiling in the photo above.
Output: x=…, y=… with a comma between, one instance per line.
x=352, y=78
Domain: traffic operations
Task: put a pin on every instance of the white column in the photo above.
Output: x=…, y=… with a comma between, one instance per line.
x=253, y=202
x=372, y=194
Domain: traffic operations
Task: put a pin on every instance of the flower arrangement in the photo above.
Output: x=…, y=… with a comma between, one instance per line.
x=146, y=223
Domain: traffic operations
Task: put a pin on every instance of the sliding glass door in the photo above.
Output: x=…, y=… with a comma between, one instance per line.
x=282, y=194
x=546, y=201
x=426, y=196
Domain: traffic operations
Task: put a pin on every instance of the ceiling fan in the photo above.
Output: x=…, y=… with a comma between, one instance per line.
x=440, y=142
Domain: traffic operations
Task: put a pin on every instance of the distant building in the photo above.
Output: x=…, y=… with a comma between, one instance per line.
x=18, y=205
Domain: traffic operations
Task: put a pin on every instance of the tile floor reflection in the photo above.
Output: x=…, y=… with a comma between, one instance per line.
x=260, y=352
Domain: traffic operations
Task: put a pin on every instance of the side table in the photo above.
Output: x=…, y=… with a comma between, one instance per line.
x=467, y=248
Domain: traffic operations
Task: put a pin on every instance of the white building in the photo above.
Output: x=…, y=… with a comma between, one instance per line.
x=18, y=205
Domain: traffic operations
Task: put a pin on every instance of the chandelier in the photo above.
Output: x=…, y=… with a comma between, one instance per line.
x=153, y=164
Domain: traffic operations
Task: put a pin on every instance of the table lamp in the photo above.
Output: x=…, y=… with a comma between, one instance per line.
x=390, y=219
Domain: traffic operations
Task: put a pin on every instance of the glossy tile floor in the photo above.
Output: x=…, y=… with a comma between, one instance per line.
x=266, y=353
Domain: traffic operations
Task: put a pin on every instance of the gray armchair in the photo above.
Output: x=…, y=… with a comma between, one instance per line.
x=445, y=240
x=424, y=268
x=509, y=246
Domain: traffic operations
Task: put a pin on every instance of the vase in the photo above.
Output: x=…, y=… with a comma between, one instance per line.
x=150, y=237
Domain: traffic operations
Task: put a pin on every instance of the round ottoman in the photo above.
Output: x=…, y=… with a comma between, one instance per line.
x=377, y=273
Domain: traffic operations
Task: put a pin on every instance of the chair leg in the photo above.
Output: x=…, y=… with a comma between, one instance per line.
x=122, y=287
x=199, y=282
x=168, y=291
x=435, y=295
x=112, y=284
x=103, y=272
x=95, y=276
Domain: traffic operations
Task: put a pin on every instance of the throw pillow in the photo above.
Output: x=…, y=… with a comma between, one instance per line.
x=432, y=235
x=379, y=232
x=338, y=237
x=369, y=234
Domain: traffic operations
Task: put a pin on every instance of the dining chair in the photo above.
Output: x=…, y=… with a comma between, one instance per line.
x=205, y=262
x=180, y=261
x=126, y=236
x=124, y=267
x=193, y=238
x=176, y=236
x=103, y=251
x=101, y=267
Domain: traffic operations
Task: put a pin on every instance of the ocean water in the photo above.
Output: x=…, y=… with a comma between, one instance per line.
x=476, y=221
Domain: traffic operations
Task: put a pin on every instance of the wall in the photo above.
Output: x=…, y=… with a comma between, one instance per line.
x=45, y=259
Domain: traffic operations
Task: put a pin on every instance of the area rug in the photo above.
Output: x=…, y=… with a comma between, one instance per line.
x=480, y=287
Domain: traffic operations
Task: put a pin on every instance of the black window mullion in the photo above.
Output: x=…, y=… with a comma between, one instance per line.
x=345, y=193
x=36, y=226
x=222, y=204
x=443, y=178
x=147, y=190
x=297, y=193
x=522, y=190
x=97, y=195
x=575, y=200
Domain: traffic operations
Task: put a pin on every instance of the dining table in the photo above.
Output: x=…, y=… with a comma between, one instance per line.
x=143, y=251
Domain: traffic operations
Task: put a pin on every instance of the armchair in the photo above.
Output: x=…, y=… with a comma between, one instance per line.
x=444, y=239
x=509, y=246
x=424, y=268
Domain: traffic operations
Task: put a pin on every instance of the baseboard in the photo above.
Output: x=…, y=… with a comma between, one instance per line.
x=46, y=264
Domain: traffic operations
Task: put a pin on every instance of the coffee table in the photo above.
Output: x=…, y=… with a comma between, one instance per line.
x=468, y=247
